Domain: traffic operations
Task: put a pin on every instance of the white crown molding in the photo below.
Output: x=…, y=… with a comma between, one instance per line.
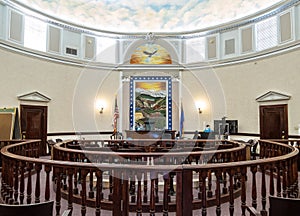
x=34, y=96
x=273, y=96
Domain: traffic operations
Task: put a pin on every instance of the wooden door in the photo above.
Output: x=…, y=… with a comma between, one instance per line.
x=274, y=122
x=34, y=124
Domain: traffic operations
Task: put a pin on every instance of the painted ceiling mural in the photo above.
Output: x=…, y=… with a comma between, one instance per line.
x=150, y=54
x=149, y=16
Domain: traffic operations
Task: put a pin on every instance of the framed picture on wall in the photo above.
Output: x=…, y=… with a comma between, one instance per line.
x=150, y=103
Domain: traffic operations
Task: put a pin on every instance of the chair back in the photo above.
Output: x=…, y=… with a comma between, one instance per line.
x=36, y=209
x=280, y=206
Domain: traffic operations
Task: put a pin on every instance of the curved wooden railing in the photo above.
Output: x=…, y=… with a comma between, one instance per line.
x=21, y=165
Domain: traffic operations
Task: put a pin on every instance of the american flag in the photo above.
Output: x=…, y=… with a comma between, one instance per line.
x=116, y=115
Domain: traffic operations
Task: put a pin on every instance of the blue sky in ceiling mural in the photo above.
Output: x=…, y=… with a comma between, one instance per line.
x=146, y=15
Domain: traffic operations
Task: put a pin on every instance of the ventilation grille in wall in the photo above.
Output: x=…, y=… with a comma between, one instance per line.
x=71, y=51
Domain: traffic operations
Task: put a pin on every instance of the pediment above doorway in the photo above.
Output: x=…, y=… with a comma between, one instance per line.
x=273, y=96
x=34, y=96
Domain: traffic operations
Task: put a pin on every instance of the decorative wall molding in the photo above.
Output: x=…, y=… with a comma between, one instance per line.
x=34, y=96
x=273, y=96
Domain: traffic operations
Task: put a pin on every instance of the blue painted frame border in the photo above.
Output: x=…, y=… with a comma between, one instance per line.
x=169, y=95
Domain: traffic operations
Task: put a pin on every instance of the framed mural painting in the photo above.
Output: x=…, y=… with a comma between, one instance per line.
x=150, y=103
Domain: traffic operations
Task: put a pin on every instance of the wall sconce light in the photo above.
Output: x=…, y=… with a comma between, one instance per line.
x=199, y=106
x=100, y=104
x=199, y=110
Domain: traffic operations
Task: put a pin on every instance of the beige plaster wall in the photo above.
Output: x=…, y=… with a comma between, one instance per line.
x=244, y=82
x=227, y=91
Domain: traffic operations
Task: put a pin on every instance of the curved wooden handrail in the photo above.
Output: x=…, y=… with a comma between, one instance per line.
x=21, y=159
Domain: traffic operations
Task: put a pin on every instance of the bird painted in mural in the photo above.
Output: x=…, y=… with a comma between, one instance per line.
x=150, y=54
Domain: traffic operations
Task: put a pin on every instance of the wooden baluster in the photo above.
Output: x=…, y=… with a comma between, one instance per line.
x=117, y=193
x=125, y=194
x=3, y=177
x=29, y=183
x=64, y=178
x=204, y=200
x=278, y=188
x=166, y=196
x=200, y=186
x=47, y=169
x=235, y=178
x=171, y=183
x=99, y=193
x=263, y=190
x=294, y=190
x=152, y=198
x=231, y=187
x=132, y=189
x=110, y=186
x=22, y=182
x=284, y=179
x=16, y=183
x=91, y=192
x=271, y=189
x=38, y=168
x=156, y=189
x=84, y=173
x=295, y=178
x=145, y=198
x=254, y=192
x=290, y=182
x=243, y=192
x=218, y=174
x=225, y=189
x=184, y=192
x=209, y=191
x=58, y=190
x=75, y=190
x=70, y=188
x=139, y=195
x=10, y=199
x=5, y=169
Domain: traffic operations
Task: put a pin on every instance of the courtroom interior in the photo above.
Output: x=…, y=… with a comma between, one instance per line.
x=149, y=107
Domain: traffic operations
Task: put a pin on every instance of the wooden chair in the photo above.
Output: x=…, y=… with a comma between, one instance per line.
x=284, y=206
x=36, y=209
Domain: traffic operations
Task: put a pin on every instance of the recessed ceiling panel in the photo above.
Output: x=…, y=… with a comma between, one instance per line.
x=148, y=16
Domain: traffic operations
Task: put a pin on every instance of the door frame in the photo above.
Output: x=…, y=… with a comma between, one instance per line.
x=284, y=118
x=44, y=109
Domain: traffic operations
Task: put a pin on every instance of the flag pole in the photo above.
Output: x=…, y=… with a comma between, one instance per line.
x=116, y=116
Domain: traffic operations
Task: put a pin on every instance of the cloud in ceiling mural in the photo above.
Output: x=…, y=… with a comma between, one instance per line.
x=146, y=16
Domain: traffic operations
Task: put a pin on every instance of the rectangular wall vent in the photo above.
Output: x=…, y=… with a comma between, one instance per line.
x=71, y=51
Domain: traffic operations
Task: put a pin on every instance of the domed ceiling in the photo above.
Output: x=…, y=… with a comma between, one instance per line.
x=149, y=15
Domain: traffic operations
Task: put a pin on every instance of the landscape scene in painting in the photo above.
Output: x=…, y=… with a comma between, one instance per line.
x=150, y=105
